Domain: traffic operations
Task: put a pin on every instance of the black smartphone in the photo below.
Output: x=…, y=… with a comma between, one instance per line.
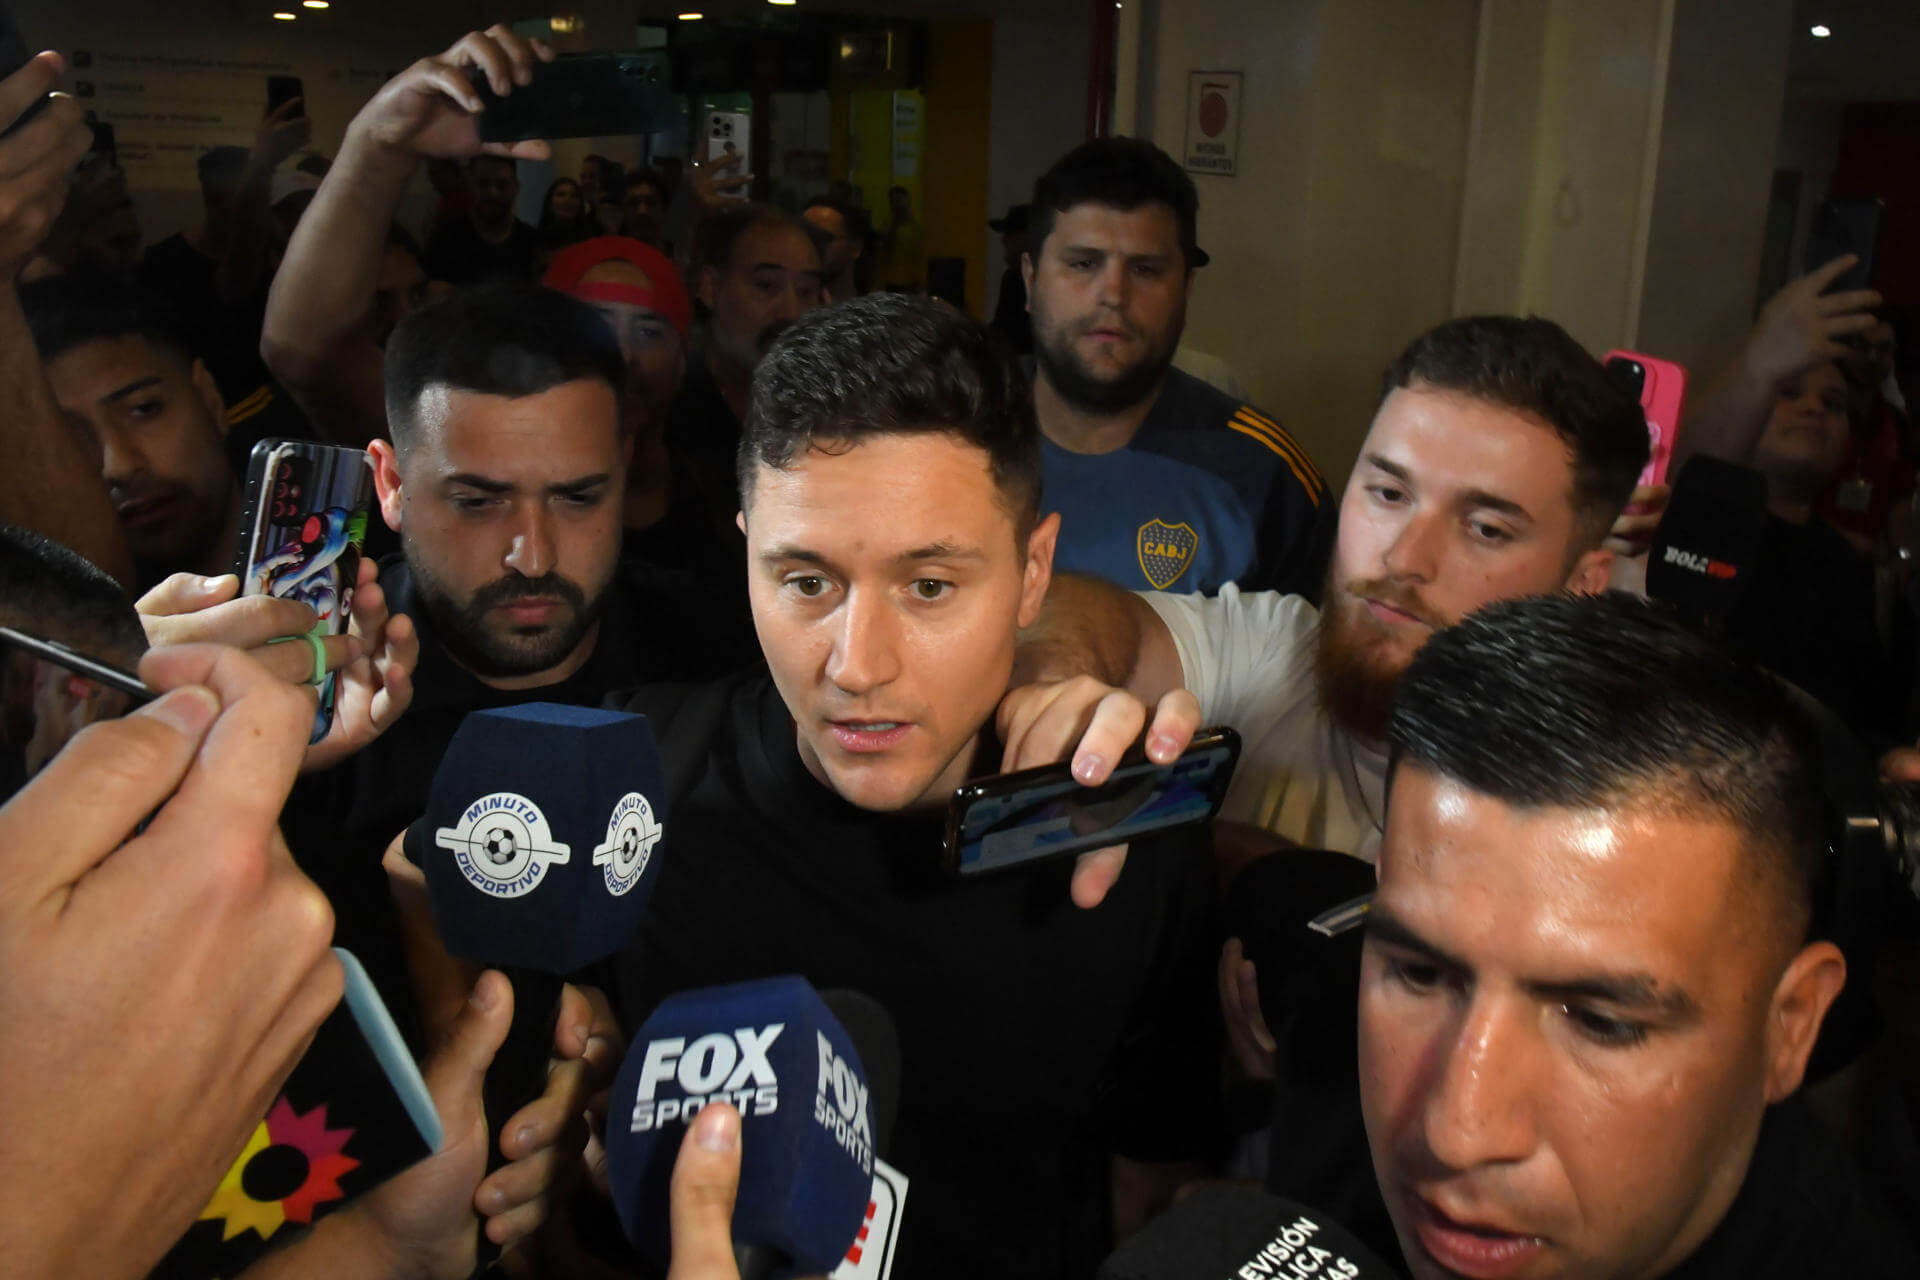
x=578, y=95
x=1012, y=819
x=301, y=530
x=1845, y=226
x=14, y=55
x=282, y=90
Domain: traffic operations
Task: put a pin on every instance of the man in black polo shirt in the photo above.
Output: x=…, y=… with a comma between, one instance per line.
x=890, y=480
x=1588, y=993
x=503, y=479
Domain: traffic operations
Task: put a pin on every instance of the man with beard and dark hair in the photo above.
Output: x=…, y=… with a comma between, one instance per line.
x=757, y=270
x=504, y=480
x=489, y=242
x=1161, y=481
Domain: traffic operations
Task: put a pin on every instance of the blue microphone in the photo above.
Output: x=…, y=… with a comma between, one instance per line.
x=540, y=846
x=774, y=1050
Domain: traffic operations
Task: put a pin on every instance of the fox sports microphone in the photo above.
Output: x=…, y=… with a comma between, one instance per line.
x=774, y=1050
x=1227, y=1232
x=539, y=845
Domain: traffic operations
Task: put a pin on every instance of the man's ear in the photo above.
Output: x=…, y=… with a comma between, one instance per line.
x=386, y=480
x=1038, y=574
x=209, y=392
x=1800, y=1002
x=1591, y=572
x=709, y=288
x=1026, y=277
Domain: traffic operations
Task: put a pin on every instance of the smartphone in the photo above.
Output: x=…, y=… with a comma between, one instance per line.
x=1845, y=226
x=301, y=531
x=1661, y=388
x=577, y=95
x=282, y=90
x=1012, y=819
x=731, y=133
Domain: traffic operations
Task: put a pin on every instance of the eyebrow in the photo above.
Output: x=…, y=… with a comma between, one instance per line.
x=487, y=485
x=931, y=551
x=1098, y=251
x=1634, y=992
x=1479, y=499
x=140, y=384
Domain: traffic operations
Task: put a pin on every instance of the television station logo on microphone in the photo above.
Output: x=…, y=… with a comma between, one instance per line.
x=502, y=844
x=1705, y=566
x=632, y=831
x=840, y=1107
x=716, y=1067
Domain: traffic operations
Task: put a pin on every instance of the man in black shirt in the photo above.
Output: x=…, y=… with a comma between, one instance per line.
x=490, y=242
x=1587, y=993
x=890, y=482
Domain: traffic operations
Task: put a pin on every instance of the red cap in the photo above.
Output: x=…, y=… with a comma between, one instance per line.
x=665, y=293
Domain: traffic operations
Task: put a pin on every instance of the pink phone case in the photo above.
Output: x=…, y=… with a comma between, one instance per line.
x=1662, y=393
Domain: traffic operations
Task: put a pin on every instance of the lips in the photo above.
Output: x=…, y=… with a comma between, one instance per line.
x=148, y=510
x=1393, y=615
x=530, y=611
x=863, y=737
x=1479, y=1249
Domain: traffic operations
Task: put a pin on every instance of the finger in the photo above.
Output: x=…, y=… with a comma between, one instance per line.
x=1858, y=322
x=529, y=1178
x=285, y=111
x=453, y=85
x=1175, y=721
x=543, y=1122
x=1901, y=765
x=706, y=1177
x=32, y=82
x=246, y=623
x=1248, y=981
x=544, y=51
x=529, y=149
x=480, y=49
x=54, y=142
x=457, y=1068
x=573, y=1025
x=1094, y=874
x=250, y=755
x=1822, y=276
x=519, y=51
x=1227, y=975
x=1830, y=304
x=1116, y=724
x=517, y=1223
x=89, y=798
x=186, y=593
x=1026, y=709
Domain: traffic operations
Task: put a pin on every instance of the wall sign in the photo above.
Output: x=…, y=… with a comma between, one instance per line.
x=1213, y=122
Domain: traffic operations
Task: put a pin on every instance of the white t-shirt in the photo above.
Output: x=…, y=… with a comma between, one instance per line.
x=1248, y=658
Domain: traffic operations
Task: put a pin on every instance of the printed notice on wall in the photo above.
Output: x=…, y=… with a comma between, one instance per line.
x=1213, y=122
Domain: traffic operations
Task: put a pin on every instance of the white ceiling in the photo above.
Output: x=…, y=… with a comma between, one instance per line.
x=1873, y=54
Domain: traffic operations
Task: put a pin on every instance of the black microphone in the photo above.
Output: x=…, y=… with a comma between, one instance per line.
x=539, y=850
x=1230, y=1232
x=774, y=1050
x=1707, y=547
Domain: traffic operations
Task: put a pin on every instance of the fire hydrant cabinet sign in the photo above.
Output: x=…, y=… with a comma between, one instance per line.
x=1213, y=122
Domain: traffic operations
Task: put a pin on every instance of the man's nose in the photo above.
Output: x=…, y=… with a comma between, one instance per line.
x=1479, y=1107
x=866, y=653
x=1417, y=549
x=531, y=553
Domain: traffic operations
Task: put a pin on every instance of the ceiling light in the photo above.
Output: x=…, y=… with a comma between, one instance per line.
x=1821, y=31
x=783, y=1
x=284, y=16
x=313, y=4
x=690, y=17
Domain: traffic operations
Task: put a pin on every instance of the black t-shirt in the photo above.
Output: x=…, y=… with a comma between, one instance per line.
x=458, y=253
x=695, y=562
x=1035, y=1037
x=1809, y=616
x=338, y=823
x=704, y=435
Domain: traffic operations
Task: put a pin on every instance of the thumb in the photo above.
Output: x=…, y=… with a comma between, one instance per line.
x=457, y=1069
x=706, y=1176
x=186, y=593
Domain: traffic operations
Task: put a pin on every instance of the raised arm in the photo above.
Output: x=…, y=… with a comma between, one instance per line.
x=1800, y=326
x=315, y=339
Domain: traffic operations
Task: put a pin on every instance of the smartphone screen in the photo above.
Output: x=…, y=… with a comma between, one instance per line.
x=1842, y=227
x=997, y=823
x=1661, y=388
x=282, y=90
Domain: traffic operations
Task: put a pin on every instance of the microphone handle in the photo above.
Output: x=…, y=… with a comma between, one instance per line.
x=518, y=1072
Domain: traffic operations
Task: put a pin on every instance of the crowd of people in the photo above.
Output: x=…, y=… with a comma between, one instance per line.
x=847, y=549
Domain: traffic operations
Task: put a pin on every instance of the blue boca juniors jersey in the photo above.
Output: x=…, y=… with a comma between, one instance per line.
x=1209, y=491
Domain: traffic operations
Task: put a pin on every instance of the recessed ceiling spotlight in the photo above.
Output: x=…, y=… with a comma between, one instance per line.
x=313, y=4
x=1821, y=30
x=284, y=16
x=690, y=17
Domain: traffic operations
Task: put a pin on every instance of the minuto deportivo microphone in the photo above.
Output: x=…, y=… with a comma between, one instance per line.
x=540, y=847
x=1226, y=1232
x=1708, y=544
x=774, y=1050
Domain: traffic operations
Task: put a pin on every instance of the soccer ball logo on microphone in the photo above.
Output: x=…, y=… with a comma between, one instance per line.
x=503, y=845
x=632, y=831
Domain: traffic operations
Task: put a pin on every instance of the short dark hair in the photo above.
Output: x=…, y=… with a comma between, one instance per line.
x=648, y=178
x=220, y=168
x=1120, y=173
x=1608, y=702
x=721, y=230
x=475, y=162
x=86, y=305
x=893, y=364
x=1535, y=367
x=502, y=339
x=51, y=591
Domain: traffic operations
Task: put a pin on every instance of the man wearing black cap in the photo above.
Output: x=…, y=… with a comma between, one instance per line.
x=1161, y=482
x=1010, y=317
